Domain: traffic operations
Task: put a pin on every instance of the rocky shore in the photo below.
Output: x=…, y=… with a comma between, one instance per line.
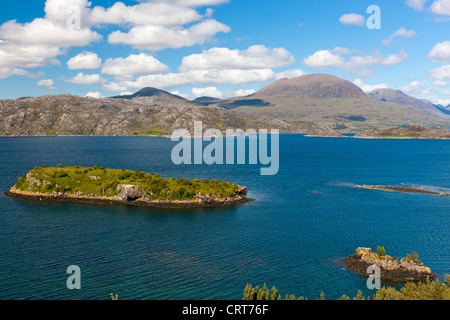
x=393, y=269
x=129, y=199
x=412, y=132
x=411, y=189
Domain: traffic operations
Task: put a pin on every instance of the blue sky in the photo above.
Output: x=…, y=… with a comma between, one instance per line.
x=220, y=48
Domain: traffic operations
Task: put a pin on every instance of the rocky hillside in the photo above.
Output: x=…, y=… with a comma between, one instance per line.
x=73, y=115
x=316, y=86
x=397, y=96
x=331, y=101
x=416, y=132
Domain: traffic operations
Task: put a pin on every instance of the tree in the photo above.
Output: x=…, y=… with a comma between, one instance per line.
x=381, y=251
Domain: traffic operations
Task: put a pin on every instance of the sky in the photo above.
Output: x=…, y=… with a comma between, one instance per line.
x=221, y=48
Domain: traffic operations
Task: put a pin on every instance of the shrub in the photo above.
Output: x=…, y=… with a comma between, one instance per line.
x=381, y=251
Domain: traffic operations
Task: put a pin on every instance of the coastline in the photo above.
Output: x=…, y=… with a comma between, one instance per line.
x=305, y=134
x=103, y=200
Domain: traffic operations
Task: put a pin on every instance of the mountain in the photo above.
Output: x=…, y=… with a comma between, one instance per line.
x=313, y=104
x=316, y=86
x=206, y=99
x=443, y=109
x=397, y=96
x=331, y=101
x=153, y=95
x=72, y=115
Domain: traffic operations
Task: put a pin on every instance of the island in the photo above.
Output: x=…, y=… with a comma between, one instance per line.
x=407, y=132
x=407, y=189
x=97, y=185
x=410, y=267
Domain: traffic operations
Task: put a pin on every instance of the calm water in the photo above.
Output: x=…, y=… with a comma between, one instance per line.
x=304, y=219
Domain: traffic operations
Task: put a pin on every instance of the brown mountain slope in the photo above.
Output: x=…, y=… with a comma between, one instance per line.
x=72, y=115
x=330, y=101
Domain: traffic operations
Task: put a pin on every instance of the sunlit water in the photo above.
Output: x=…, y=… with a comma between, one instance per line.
x=305, y=218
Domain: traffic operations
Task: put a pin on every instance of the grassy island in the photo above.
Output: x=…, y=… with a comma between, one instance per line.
x=98, y=184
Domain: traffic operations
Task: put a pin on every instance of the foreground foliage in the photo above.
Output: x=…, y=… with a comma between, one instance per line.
x=430, y=290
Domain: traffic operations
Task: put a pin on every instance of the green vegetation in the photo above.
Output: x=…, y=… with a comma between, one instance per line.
x=340, y=126
x=430, y=290
x=98, y=181
x=413, y=257
x=381, y=251
x=152, y=132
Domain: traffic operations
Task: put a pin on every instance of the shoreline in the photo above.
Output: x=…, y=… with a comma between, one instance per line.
x=112, y=201
x=305, y=134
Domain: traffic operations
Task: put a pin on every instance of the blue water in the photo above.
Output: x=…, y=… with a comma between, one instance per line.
x=304, y=219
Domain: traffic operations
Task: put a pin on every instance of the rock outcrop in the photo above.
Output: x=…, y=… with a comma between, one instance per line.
x=409, y=268
x=412, y=132
x=129, y=192
x=407, y=189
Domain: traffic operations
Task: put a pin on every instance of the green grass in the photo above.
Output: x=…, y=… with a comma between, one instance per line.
x=98, y=181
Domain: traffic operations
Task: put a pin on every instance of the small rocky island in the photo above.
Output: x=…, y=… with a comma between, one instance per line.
x=409, y=268
x=407, y=189
x=411, y=132
x=98, y=185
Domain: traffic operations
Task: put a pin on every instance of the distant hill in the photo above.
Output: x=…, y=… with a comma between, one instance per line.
x=154, y=94
x=206, y=99
x=313, y=104
x=331, y=101
x=443, y=109
x=316, y=86
x=397, y=96
x=67, y=114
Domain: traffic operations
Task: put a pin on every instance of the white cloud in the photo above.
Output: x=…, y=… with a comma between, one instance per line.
x=440, y=83
x=161, y=37
x=353, y=19
x=126, y=93
x=255, y=57
x=26, y=56
x=417, y=5
x=8, y=72
x=82, y=78
x=441, y=7
x=45, y=32
x=324, y=59
x=243, y=92
x=356, y=65
x=442, y=73
x=94, y=94
x=183, y=95
x=367, y=87
x=212, y=92
x=402, y=32
x=115, y=87
x=417, y=88
x=85, y=60
x=146, y=13
x=340, y=50
x=48, y=83
x=134, y=65
x=441, y=52
x=290, y=74
x=442, y=101
x=376, y=59
x=196, y=77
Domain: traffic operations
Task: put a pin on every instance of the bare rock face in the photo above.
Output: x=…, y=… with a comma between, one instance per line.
x=408, y=269
x=129, y=192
